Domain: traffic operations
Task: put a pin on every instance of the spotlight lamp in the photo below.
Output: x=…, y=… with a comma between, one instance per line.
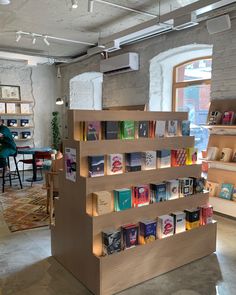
x=59, y=101
x=90, y=5
x=33, y=39
x=74, y=4
x=18, y=37
x=45, y=40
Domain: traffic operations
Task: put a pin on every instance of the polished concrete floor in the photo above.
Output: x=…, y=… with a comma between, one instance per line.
x=27, y=268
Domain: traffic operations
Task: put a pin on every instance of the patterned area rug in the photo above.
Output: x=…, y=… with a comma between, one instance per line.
x=24, y=209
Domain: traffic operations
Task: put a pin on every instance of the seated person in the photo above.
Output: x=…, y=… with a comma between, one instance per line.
x=7, y=144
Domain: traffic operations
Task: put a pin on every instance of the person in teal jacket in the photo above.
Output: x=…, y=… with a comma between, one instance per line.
x=7, y=144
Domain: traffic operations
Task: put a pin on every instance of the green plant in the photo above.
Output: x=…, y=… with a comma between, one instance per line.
x=56, y=137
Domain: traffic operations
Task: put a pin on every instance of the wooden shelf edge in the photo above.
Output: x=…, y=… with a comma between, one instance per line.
x=219, y=126
x=223, y=206
x=16, y=114
x=16, y=101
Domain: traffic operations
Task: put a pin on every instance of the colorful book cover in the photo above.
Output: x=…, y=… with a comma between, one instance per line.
x=199, y=185
x=70, y=163
x=111, y=130
x=172, y=187
x=133, y=162
x=185, y=128
x=114, y=164
x=152, y=129
x=185, y=187
x=228, y=118
x=141, y=195
x=123, y=199
x=149, y=160
x=178, y=157
x=24, y=122
x=92, y=130
x=226, y=155
x=179, y=221
x=163, y=159
x=147, y=231
x=12, y=123
x=206, y=214
x=130, y=236
x=192, y=218
x=102, y=203
x=226, y=191
x=213, y=188
x=214, y=118
x=96, y=166
x=160, y=129
x=165, y=226
x=15, y=134
x=172, y=128
x=191, y=156
x=127, y=129
x=158, y=192
x=143, y=129
x=111, y=241
x=234, y=194
x=26, y=134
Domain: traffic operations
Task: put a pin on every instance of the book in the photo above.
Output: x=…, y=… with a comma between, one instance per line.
x=234, y=156
x=70, y=164
x=163, y=159
x=178, y=157
x=96, y=166
x=102, y=203
x=199, y=185
x=11, y=108
x=92, y=130
x=206, y=214
x=172, y=189
x=213, y=188
x=141, y=195
x=114, y=164
x=24, y=108
x=147, y=231
x=226, y=155
x=2, y=107
x=185, y=128
x=130, y=236
x=192, y=218
x=26, y=134
x=172, y=128
x=127, y=129
x=133, y=162
x=191, y=156
x=234, y=194
x=15, y=135
x=149, y=160
x=179, y=221
x=152, y=127
x=111, y=241
x=160, y=129
x=122, y=199
x=226, y=191
x=24, y=122
x=111, y=129
x=143, y=129
x=158, y=192
x=185, y=187
x=214, y=118
x=11, y=122
x=165, y=226
x=212, y=153
x=228, y=118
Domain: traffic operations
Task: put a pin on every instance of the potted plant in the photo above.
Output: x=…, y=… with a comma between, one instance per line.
x=56, y=137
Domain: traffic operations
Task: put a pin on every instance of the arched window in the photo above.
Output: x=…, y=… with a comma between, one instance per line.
x=191, y=93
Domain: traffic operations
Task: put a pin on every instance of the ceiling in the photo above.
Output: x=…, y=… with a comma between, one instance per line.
x=57, y=18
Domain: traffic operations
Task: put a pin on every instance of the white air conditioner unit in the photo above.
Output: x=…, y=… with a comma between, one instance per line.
x=120, y=64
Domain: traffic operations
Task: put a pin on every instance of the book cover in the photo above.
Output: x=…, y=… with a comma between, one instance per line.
x=191, y=156
x=226, y=191
x=149, y=160
x=11, y=108
x=2, y=108
x=111, y=241
x=165, y=226
x=185, y=128
x=213, y=188
x=130, y=236
x=160, y=129
x=123, y=199
x=234, y=194
x=114, y=164
x=212, y=153
x=102, y=203
x=127, y=129
x=234, y=156
x=133, y=162
x=25, y=108
x=158, y=192
x=11, y=122
x=70, y=163
x=96, y=166
x=15, y=134
x=24, y=122
x=228, y=118
x=111, y=130
x=192, y=218
x=141, y=195
x=214, y=118
x=185, y=187
x=226, y=155
x=206, y=214
x=92, y=130
x=178, y=157
x=172, y=188
x=199, y=185
x=152, y=127
x=26, y=134
x=143, y=129
x=163, y=159
x=179, y=221
x=147, y=231
x=172, y=128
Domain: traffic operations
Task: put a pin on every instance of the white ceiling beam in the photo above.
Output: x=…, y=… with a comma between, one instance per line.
x=28, y=59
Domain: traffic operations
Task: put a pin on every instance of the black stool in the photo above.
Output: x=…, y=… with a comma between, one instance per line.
x=16, y=174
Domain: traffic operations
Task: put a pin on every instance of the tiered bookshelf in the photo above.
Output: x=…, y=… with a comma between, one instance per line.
x=76, y=235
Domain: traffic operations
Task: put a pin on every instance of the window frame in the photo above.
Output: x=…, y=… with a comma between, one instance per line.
x=176, y=85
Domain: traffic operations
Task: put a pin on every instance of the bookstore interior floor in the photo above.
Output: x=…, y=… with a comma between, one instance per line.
x=27, y=268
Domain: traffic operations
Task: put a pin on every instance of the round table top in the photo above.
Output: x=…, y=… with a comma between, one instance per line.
x=31, y=151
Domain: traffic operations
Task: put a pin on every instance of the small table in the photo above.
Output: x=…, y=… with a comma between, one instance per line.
x=32, y=151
